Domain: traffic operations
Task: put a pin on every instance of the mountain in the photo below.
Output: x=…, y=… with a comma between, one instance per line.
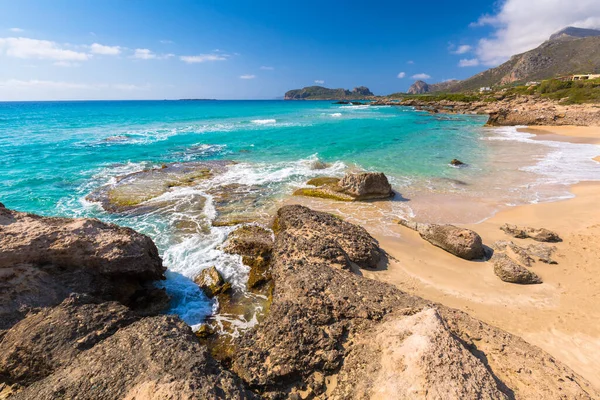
x=322, y=93
x=568, y=51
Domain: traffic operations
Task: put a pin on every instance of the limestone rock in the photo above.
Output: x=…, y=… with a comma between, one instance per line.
x=509, y=271
x=366, y=185
x=154, y=358
x=43, y=260
x=461, y=242
x=211, y=282
x=527, y=255
x=255, y=245
x=537, y=234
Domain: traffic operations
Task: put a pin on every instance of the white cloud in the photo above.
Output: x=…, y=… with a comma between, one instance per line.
x=203, y=58
x=410, y=62
x=66, y=64
x=516, y=31
x=97, y=48
x=320, y=81
x=465, y=48
x=421, y=76
x=46, y=84
x=144, y=54
x=164, y=41
x=26, y=48
x=247, y=76
x=471, y=62
x=267, y=68
x=401, y=75
x=17, y=30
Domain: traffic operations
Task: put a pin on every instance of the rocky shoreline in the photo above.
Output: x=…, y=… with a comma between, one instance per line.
x=509, y=111
x=81, y=319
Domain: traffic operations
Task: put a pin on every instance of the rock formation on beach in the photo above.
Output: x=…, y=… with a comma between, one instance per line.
x=329, y=333
x=352, y=187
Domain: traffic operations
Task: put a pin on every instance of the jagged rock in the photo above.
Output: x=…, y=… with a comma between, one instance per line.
x=2, y=205
x=322, y=181
x=43, y=260
x=331, y=239
x=414, y=357
x=325, y=321
x=461, y=242
x=527, y=255
x=255, y=245
x=366, y=185
x=541, y=252
x=457, y=163
x=509, y=271
x=537, y=234
x=211, y=282
x=44, y=342
x=155, y=358
x=419, y=87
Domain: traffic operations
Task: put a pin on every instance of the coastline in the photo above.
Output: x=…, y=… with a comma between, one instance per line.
x=555, y=315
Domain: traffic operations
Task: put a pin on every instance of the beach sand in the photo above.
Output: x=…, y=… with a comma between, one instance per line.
x=562, y=315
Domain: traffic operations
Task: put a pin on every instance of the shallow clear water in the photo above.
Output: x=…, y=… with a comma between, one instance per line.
x=53, y=154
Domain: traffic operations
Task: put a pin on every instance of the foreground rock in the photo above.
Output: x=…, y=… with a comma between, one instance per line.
x=255, y=245
x=341, y=336
x=510, y=271
x=43, y=260
x=352, y=187
x=527, y=255
x=154, y=358
x=537, y=234
x=461, y=242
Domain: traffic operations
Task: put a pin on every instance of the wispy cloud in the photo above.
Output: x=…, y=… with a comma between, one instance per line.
x=471, y=62
x=247, y=76
x=514, y=31
x=35, y=83
x=421, y=76
x=66, y=64
x=319, y=81
x=465, y=48
x=401, y=75
x=165, y=41
x=201, y=58
x=97, y=48
x=26, y=48
x=17, y=30
x=144, y=54
x=410, y=62
x=267, y=68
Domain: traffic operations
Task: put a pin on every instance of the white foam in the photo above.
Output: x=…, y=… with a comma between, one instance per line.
x=336, y=114
x=264, y=121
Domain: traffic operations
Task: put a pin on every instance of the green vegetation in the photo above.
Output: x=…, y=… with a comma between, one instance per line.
x=322, y=93
x=567, y=92
x=322, y=194
x=460, y=97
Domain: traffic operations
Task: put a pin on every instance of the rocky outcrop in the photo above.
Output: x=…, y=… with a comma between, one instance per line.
x=352, y=187
x=43, y=260
x=154, y=358
x=529, y=254
x=461, y=242
x=339, y=335
x=255, y=244
x=322, y=93
x=211, y=282
x=537, y=234
x=510, y=271
x=419, y=87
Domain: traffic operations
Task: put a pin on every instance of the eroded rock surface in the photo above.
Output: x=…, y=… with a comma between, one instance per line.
x=43, y=259
x=352, y=187
x=461, y=242
x=537, y=234
x=510, y=271
x=255, y=244
x=211, y=282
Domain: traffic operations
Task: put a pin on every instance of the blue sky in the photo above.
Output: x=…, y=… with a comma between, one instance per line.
x=259, y=49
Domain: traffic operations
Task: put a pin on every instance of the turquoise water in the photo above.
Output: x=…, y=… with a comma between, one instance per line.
x=53, y=154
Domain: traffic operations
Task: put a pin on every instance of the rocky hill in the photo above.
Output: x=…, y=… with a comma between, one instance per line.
x=323, y=93
x=420, y=87
x=569, y=51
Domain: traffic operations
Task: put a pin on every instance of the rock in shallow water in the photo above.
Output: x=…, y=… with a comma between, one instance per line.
x=255, y=245
x=461, y=242
x=352, y=187
x=211, y=282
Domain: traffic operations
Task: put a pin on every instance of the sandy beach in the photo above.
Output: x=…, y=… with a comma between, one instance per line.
x=561, y=315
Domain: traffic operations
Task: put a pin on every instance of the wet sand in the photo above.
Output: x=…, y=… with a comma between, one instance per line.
x=562, y=315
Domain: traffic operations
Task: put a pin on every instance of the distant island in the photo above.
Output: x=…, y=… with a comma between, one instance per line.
x=323, y=93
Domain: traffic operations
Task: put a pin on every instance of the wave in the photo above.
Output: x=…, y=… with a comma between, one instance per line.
x=336, y=114
x=263, y=121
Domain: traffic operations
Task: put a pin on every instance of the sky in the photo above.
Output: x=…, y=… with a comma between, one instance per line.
x=234, y=49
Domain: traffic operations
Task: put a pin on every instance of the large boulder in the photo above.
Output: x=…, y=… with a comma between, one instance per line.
x=510, y=271
x=154, y=358
x=43, y=260
x=331, y=333
x=366, y=185
x=461, y=242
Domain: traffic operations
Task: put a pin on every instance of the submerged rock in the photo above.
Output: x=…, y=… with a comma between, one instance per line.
x=456, y=163
x=43, y=260
x=509, y=271
x=537, y=234
x=461, y=242
x=211, y=282
x=132, y=190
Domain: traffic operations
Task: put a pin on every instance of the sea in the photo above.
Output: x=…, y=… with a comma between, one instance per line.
x=53, y=155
